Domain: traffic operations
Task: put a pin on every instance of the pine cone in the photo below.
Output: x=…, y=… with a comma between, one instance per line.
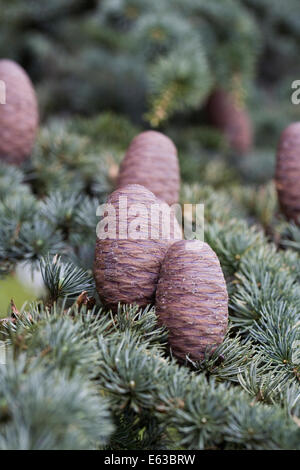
x=231, y=120
x=19, y=115
x=192, y=299
x=126, y=270
x=151, y=160
x=288, y=172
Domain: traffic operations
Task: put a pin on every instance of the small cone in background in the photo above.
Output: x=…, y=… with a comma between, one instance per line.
x=151, y=160
x=192, y=299
x=287, y=176
x=233, y=121
x=126, y=269
x=18, y=114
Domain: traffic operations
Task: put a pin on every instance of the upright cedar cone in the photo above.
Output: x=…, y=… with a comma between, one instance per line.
x=126, y=269
x=18, y=115
x=231, y=120
x=191, y=299
x=151, y=160
x=288, y=172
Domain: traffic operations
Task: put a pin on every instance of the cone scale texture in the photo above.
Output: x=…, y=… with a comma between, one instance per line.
x=18, y=115
x=192, y=299
x=288, y=172
x=126, y=269
x=151, y=160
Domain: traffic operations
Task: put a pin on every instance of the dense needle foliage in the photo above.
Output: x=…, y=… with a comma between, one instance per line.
x=76, y=376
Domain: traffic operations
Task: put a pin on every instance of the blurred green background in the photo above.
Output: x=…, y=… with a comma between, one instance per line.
x=87, y=56
x=13, y=288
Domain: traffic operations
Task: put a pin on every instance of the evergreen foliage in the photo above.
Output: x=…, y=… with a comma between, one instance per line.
x=243, y=396
x=139, y=43
x=77, y=376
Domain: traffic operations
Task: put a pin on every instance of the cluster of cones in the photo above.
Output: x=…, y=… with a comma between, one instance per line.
x=182, y=278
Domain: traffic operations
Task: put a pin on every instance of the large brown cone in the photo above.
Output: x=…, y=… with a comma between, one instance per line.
x=192, y=299
x=231, y=120
x=288, y=172
x=126, y=270
x=19, y=115
x=151, y=160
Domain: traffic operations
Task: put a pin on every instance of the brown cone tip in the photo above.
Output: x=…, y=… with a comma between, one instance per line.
x=151, y=160
x=18, y=115
x=192, y=299
x=231, y=120
x=126, y=269
x=288, y=172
